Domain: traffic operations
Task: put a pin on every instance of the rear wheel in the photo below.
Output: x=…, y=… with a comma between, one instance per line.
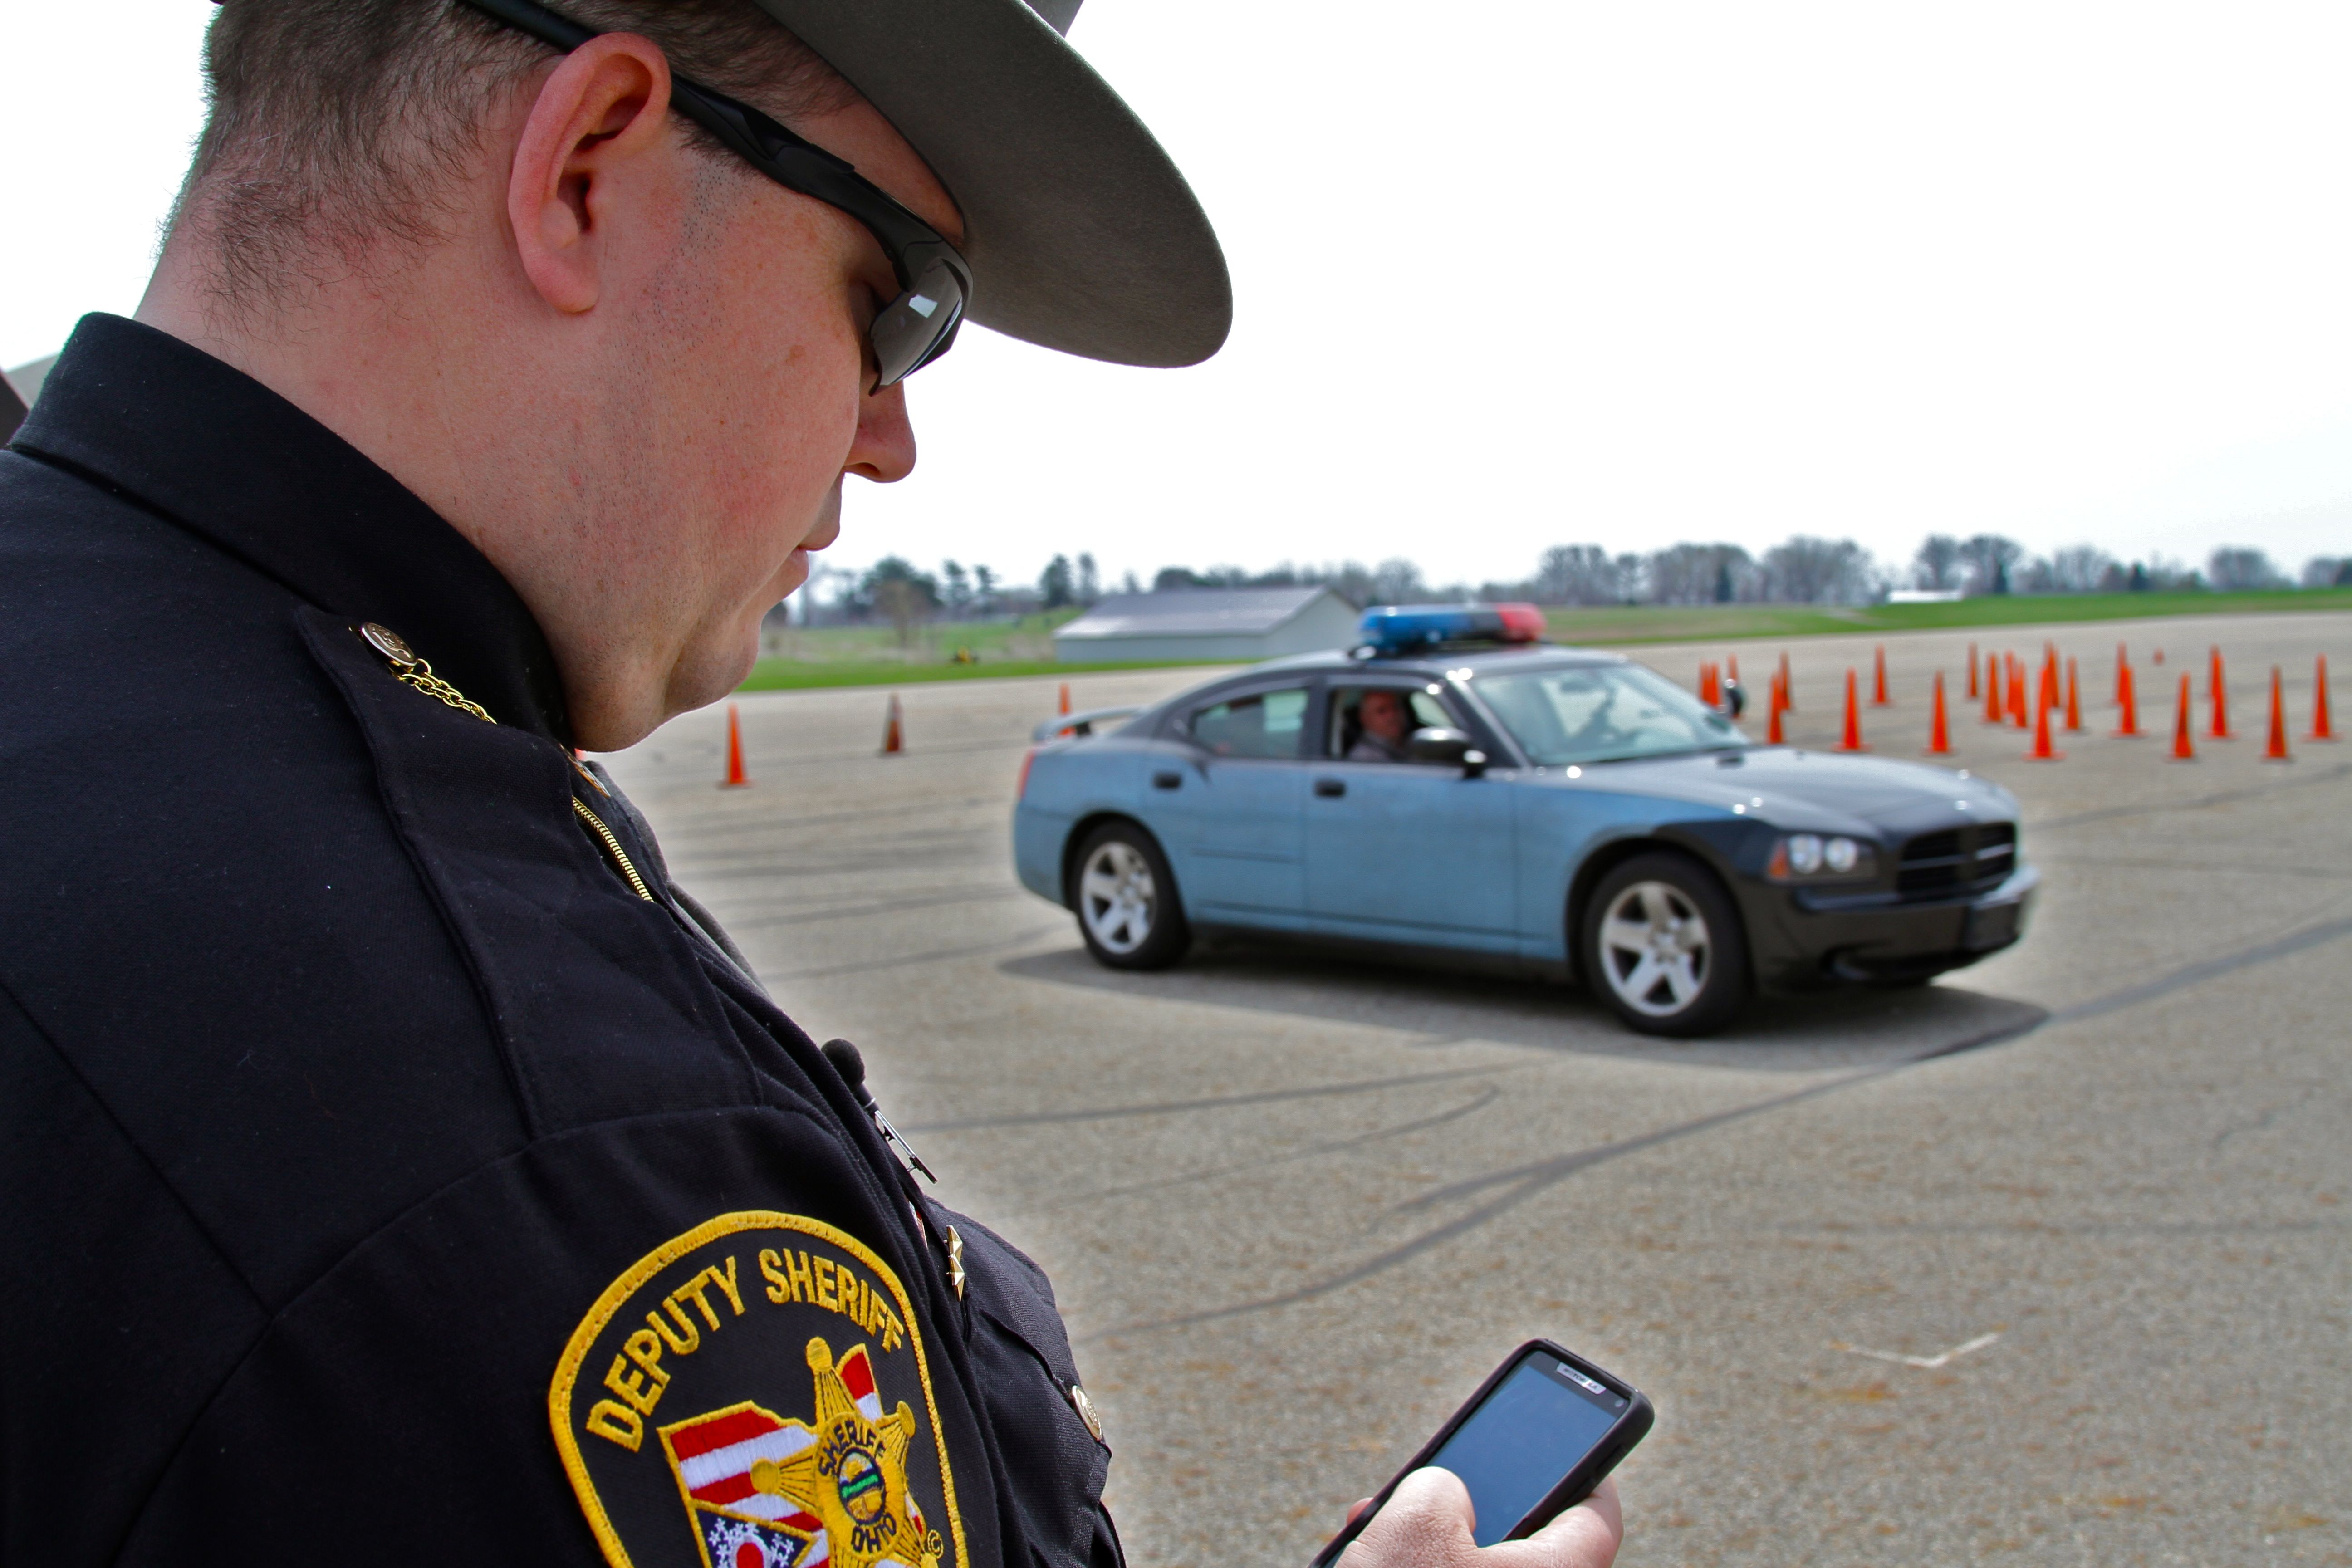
x=1662, y=946
x=1126, y=899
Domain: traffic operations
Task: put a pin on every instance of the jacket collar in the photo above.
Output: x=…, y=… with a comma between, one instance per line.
x=221, y=455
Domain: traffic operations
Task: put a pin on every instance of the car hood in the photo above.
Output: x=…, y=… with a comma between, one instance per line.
x=1805, y=789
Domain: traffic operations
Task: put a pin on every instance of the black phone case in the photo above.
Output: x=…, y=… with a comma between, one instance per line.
x=1573, y=1488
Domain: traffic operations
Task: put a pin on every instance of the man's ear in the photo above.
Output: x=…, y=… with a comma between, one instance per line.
x=597, y=117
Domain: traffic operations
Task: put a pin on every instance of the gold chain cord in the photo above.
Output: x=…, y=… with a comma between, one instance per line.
x=420, y=675
x=410, y=670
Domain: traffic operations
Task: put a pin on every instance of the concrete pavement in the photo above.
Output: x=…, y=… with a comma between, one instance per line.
x=1296, y=1209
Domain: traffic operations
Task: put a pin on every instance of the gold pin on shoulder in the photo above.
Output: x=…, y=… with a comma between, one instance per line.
x=412, y=671
x=388, y=643
x=1086, y=1409
x=955, y=1262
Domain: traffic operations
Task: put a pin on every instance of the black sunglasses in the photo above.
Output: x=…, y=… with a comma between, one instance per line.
x=934, y=283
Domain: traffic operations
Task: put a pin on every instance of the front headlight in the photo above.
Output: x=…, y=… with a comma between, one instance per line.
x=1811, y=857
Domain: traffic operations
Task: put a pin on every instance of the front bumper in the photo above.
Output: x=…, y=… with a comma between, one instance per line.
x=1804, y=937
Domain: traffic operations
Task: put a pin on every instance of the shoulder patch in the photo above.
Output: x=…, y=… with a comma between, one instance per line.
x=754, y=1394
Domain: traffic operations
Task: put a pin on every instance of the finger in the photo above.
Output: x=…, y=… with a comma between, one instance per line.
x=1426, y=1521
x=1586, y=1536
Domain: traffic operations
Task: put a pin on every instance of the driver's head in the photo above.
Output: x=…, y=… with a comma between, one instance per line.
x=1382, y=713
x=630, y=367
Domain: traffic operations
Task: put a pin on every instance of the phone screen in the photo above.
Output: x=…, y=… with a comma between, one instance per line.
x=1530, y=1432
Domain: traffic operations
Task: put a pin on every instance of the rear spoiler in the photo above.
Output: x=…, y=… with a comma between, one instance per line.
x=1079, y=723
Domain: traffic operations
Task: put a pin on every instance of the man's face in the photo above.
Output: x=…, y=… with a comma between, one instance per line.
x=742, y=401
x=1383, y=714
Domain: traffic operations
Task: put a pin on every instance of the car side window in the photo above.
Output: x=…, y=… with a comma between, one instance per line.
x=1424, y=711
x=1262, y=724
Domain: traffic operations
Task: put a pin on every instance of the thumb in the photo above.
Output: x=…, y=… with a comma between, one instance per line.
x=1585, y=1536
x=1426, y=1521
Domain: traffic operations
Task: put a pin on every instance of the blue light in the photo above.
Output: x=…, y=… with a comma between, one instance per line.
x=1394, y=629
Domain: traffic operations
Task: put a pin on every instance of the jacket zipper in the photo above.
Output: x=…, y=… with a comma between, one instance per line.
x=612, y=847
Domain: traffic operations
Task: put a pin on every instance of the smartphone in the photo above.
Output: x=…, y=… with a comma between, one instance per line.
x=1533, y=1442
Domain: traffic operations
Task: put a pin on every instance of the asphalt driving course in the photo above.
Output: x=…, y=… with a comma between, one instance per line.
x=2048, y=1259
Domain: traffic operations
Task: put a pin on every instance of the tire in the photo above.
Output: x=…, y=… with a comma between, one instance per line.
x=1664, y=946
x=1129, y=913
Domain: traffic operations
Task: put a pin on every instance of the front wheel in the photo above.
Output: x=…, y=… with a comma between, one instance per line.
x=1664, y=946
x=1126, y=899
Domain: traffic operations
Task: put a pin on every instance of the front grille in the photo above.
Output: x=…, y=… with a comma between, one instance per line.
x=1957, y=859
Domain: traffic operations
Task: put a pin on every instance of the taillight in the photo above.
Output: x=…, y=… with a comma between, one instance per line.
x=1021, y=785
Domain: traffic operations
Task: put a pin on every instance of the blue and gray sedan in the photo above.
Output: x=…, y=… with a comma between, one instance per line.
x=1555, y=811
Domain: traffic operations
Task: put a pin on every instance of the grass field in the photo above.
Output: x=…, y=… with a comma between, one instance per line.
x=873, y=656
x=1702, y=622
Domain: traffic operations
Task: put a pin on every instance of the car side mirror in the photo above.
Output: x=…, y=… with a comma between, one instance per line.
x=1446, y=747
x=1734, y=697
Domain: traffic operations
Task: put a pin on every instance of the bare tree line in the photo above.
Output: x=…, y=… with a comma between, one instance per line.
x=1801, y=570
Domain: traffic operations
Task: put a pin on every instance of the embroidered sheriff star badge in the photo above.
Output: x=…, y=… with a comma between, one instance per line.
x=782, y=1454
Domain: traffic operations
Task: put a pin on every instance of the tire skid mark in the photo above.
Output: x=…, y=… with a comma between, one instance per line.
x=2195, y=803
x=1212, y=1102
x=1484, y=1097
x=936, y=954
x=1524, y=1182
x=878, y=907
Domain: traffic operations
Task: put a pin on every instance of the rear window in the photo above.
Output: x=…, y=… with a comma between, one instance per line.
x=1262, y=724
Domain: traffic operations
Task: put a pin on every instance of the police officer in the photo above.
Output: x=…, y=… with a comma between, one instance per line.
x=396, y=1166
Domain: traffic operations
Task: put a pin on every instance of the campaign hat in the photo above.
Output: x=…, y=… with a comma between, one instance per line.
x=1081, y=233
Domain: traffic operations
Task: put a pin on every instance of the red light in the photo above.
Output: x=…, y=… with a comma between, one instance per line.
x=1021, y=786
x=1521, y=623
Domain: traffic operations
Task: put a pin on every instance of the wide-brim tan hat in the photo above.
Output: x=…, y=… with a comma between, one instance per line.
x=1081, y=233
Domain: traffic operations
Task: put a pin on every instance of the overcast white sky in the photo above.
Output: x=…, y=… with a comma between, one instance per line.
x=1531, y=272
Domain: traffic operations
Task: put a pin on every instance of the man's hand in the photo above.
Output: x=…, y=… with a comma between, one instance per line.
x=1427, y=1520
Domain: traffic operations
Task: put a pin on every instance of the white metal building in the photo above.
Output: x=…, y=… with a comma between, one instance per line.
x=1238, y=624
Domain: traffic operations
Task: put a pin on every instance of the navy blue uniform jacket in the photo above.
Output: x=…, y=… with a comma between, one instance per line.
x=385, y=1177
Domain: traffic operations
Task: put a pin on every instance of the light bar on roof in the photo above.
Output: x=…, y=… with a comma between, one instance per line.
x=1394, y=629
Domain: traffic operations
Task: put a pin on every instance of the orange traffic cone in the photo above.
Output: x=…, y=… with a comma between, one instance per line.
x=1710, y=690
x=1773, y=735
x=1734, y=671
x=1992, y=691
x=2017, y=713
x=2220, y=694
x=736, y=777
x=2276, y=751
x=2049, y=690
x=2182, y=752
x=1878, y=678
x=2323, y=722
x=1788, y=691
x=1939, y=729
x=2123, y=663
x=2043, y=751
x=1973, y=692
x=894, y=735
x=2074, y=700
x=2157, y=657
x=1853, y=739
x=1066, y=699
x=2127, y=699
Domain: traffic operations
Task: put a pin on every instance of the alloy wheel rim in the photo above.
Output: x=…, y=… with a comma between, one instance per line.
x=1118, y=898
x=1654, y=948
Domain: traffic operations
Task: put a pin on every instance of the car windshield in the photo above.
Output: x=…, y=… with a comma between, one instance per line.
x=1603, y=713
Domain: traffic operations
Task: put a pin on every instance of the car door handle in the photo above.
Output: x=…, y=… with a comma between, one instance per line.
x=1168, y=781
x=1330, y=789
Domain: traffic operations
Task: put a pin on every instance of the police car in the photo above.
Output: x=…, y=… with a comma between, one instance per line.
x=1559, y=811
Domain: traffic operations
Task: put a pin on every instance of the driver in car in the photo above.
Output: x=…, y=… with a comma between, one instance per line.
x=1385, y=721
